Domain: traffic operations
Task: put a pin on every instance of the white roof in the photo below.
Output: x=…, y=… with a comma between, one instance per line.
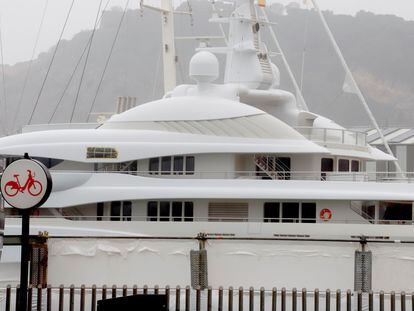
x=141, y=144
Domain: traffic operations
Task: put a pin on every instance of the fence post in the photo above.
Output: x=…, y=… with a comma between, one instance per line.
x=304, y=302
x=209, y=298
x=72, y=297
x=93, y=298
x=61, y=297
x=198, y=298
x=359, y=302
x=145, y=290
x=124, y=291
x=230, y=299
x=338, y=300
x=135, y=289
x=220, y=299
x=187, y=298
x=392, y=301
x=371, y=301
x=82, y=298
x=114, y=291
x=381, y=301
x=177, y=298
x=412, y=301
x=30, y=296
x=316, y=300
x=156, y=289
x=294, y=299
x=241, y=294
x=403, y=301
x=167, y=293
x=262, y=299
x=104, y=292
x=39, y=298
x=17, y=297
x=283, y=299
x=348, y=300
x=8, y=297
x=49, y=298
x=274, y=299
x=251, y=299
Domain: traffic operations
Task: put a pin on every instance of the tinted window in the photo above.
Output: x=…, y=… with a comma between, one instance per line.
x=355, y=166
x=126, y=211
x=116, y=211
x=99, y=210
x=178, y=164
x=177, y=211
x=188, y=211
x=154, y=165
x=164, y=211
x=343, y=165
x=271, y=211
x=166, y=165
x=327, y=165
x=290, y=212
x=189, y=165
x=308, y=212
x=152, y=211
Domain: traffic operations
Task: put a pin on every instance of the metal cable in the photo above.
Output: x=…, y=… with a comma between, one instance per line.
x=107, y=61
x=75, y=69
x=4, y=123
x=86, y=63
x=30, y=65
x=51, y=62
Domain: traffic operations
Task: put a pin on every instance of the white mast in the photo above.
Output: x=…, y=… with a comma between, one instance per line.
x=350, y=79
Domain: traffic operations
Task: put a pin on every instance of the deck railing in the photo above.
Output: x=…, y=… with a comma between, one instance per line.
x=334, y=136
x=220, y=299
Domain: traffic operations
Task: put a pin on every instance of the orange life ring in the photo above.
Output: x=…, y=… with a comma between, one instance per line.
x=325, y=214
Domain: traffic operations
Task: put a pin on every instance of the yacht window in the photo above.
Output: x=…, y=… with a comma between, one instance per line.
x=116, y=211
x=177, y=211
x=188, y=211
x=283, y=167
x=396, y=212
x=152, y=210
x=178, y=165
x=327, y=165
x=99, y=211
x=343, y=165
x=189, y=165
x=166, y=165
x=164, y=211
x=290, y=212
x=101, y=153
x=309, y=212
x=126, y=210
x=355, y=166
x=271, y=211
x=154, y=165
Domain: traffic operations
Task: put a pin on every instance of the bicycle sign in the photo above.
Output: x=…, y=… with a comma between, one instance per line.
x=25, y=183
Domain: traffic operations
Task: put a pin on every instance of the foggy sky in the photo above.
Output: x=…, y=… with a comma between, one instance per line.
x=20, y=19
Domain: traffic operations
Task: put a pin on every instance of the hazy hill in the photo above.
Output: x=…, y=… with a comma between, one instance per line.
x=378, y=48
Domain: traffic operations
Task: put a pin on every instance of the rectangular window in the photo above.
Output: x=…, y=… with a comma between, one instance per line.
x=309, y=212
x=164, y=211
x=327, y=165
x=355, y=166
x=154, y=165
x=178, y=165
x=271, y=211
x=116, y=211
x=166, y=165
x=126, y=210
x=189, y=165
x=343, y=165
x=101, y=153
x=188, y=211
x=99, y=211
x=290, y=212
x=177, y=211
x=152, y=210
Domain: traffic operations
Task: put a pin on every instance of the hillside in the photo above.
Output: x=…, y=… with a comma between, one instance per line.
x=378, y=48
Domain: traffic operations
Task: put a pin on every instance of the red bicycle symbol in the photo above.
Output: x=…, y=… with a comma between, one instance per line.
x=33, y=186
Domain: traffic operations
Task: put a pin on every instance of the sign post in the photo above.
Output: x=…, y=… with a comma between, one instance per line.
x=25, y=196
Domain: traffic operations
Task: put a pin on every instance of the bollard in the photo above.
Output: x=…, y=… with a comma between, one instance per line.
x=359, y=302
x=370, y=301
x=104, y=289
x=338, y=300
x=283, y=299
x=167, y=293
x=198, y=298
x=61, y=297
x=402, y=301
x=274, y=299
x=381, y=301
x=262, y=299
x=251, y=299
x=93, y=298
x=294, y=299
x=209, y=298
x=135, y=290
x=113, y=291
x=187, y=298
x=156, y=289
x=241, y=295
x=124, y=291
x=49, y=298
x=82, y=298
x=316, y=300
x=304, y=298
x=220, y=299
x=39, y=297
x=392, y=301
x=328, y=300
x=72, y=298
x=230, y=299
x=8, y=297
x=348, y=300
x=177, y=298
x=145, y=290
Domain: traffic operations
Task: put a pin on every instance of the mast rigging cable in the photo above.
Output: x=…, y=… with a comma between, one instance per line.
x=4, y=123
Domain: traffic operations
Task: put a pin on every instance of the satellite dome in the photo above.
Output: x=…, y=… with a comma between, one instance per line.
x=204, y=67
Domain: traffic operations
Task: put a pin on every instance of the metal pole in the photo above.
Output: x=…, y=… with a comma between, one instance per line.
x=24, y=260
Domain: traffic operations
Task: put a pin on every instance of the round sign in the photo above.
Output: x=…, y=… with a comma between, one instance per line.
x=25, y=184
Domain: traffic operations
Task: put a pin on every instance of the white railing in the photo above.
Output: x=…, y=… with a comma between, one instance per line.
x=334, y=136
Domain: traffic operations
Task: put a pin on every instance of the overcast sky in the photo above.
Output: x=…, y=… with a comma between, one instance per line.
x=20, y=19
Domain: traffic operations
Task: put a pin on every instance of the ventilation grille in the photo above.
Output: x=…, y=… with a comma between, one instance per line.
x=228, y=211
x=363, y=271
x=199, y=269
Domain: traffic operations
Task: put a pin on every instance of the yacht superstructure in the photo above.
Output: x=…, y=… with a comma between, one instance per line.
x=283, y=192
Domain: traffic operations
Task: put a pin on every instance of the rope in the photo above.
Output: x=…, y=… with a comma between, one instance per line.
x=86, y=62
x=75, y=69
x=30, y=65
x=51, y=62
x=107, y=61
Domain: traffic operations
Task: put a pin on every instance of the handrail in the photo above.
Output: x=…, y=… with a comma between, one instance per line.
x=331, y=135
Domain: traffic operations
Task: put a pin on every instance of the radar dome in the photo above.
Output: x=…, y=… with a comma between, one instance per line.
x=204, y=67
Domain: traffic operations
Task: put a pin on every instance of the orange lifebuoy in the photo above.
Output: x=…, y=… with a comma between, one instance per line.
x=325, y=214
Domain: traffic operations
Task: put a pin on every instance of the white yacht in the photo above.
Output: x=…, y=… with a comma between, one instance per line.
x=238, y=174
